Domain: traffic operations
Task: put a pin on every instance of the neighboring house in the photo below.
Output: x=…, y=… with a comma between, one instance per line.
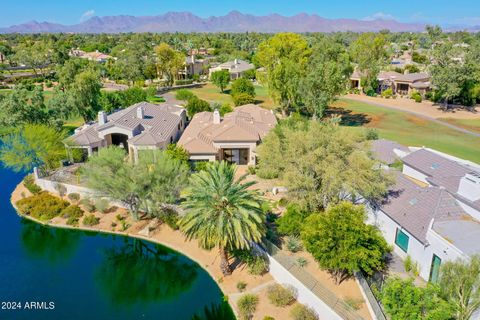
x=93, y=56
x=193, y=66
x=401, y=84
x=233, y=138
x=236, y=68
x=432, y=213
x=142, y=126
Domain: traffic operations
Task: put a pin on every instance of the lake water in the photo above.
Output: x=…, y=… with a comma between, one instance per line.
x=49, y=273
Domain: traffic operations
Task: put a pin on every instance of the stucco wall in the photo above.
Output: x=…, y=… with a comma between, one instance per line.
x=411, y=172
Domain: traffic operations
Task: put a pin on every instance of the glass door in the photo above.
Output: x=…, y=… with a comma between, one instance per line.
x=435, y=268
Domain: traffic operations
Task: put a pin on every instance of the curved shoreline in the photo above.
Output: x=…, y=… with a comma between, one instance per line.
x=225, y=284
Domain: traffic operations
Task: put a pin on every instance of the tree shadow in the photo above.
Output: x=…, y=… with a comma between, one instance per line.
x=221, y=311
x=347, y=117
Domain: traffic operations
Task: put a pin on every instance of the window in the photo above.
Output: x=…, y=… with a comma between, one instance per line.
x=401, y=240
x=435, y=268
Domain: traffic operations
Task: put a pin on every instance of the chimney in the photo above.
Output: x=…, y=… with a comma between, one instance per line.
x=216, y=117
x=193, y=58
x=469, y=186
x=140, y=112
x=235, y=62
x=102, y=117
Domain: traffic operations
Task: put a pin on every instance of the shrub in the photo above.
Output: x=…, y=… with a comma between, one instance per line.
x=170, y=217
x=48, y=84
x=240, y=99
x=353, y=303
x=184, y=94
x=74, y=196
x=241, y=286
x=302, y=312
x=371, y=134
x=225, y=108
x=72, y=221
x=119, y=217
x=195, y=105
x=61, y=189
x=29, y=183
x=407, y=264
x=291, y=222
x=90, y=220
x=183, y=82
x=258, y=266
x=388, y=93
x=268, y=318
x=242, y=85
x=72, y=211
x=281, y=296
x=87, y=204
x=283, y=202
x=247, y=304
x=416, y=96
x=124, y=225
x=251, y=169
x=267, y=172
x=42, y=206
x=102, y=205
x=294, y=244
x=302, y=262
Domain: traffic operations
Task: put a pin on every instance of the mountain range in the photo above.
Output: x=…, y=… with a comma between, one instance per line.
x=232, y=22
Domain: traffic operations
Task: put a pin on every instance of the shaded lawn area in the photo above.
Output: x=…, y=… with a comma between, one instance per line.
x=469, y=124
x=211, y=93
x=408, y=129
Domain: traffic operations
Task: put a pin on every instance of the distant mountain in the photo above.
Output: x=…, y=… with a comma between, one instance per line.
x=232, y=22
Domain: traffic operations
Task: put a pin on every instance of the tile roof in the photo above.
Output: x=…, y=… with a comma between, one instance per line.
x=248, y=123
x=156, y=126
x=413, y=77
x=383, y=150
x=236, y=65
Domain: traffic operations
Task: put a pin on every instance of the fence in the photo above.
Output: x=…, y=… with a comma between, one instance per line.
x=376, y=308
x=337, y=307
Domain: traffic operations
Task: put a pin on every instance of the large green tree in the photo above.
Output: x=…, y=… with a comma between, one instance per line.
x=460, y=286
x=285, y=59
x=369, y=52
x=86, y=94
x=321, y=163
x=221, y=79
x=169, y=62
x=326, y=77
x=33, y=145
x=402, y=300
x=342, y=243
x=222, y=212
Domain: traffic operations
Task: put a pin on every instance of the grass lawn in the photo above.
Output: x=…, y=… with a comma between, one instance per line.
x=469, y=124
x=211, y=93
x=73, y=123
x=408, y=129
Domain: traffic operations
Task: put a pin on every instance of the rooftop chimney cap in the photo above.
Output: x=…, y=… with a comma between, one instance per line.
x=102, y=117
x=216, y=116
x=140, y=112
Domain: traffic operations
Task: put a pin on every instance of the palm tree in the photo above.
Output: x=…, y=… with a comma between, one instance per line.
x=222, y=212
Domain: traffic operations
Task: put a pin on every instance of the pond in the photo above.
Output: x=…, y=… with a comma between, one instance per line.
x=50, y=273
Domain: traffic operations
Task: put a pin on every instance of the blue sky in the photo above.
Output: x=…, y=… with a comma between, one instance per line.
x=444, y=12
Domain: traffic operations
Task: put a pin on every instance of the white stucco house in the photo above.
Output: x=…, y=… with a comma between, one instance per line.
x=236, y=68
x=432, y=213
x=141, y=126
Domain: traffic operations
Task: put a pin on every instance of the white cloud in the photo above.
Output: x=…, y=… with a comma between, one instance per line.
x=87, y=14
x=379, y=15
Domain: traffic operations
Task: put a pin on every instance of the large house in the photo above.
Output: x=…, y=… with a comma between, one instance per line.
x=96, y=56
x=233, y=138
x=236, y=68
x=194, y=66
x=432, y=213
x=401, y=84
x=139, y=127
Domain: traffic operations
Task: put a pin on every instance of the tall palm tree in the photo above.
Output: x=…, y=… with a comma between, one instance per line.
x=222, y=212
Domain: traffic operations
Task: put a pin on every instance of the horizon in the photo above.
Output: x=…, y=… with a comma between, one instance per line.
x=445, y=15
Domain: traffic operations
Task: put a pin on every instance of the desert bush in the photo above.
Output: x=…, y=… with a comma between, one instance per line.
x=291, y=222
x=388, y=93
x=371, y=134
x=90, y=220
x=72, y=211
x=267, y=173
x=72, y=221
x=281, y=296
x=416, y=96
x=42, y=206
x=258, y=266
x=251, y=170
x=74, y=196
x=268, y=318
x=29, y=183
x=302, y=312
x=302, y=262
x=170, y=217
x=183, y=82
x=87, y=204
x=294, y=244
x=240, y=99
x=241, y=285
x=353, y=303
x=61, y=189
x=247, y=304
x=102, y=205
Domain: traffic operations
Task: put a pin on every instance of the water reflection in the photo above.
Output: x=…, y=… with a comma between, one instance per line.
x=51, y=244
x=141, y=272
x=220, y=311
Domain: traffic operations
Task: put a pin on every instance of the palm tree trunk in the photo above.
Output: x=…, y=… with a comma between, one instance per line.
x=224, y=265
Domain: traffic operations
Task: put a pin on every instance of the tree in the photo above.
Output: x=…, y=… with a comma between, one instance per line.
x=33, y=145
x=169, y=62
x=368, y=51
x=195, y=105
x=155, y=180
x=67, y=72
x=402, y=300
x=86, y=94
x=36, y=55
x=321, y=163
x=341, y=241
x=242, y=85
x=460, y=286
x=326, y=78
x=177, y=152
x=222, y=212
x=220, y=79
x=284, y=57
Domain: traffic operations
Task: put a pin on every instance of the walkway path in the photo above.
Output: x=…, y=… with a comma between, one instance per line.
x=420, y=113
